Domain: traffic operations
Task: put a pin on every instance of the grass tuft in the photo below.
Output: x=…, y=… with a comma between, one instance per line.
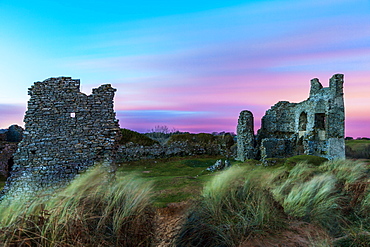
x=233, y=206
x=314, y=201
x=346, y=171
x=92, y=210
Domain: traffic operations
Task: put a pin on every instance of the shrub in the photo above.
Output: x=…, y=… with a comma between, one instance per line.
x=91, y=211
x=135, y=137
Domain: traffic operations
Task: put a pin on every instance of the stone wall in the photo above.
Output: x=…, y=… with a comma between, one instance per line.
x=133, y=152
x=66, y=132
x=7, y=150
x=313, y=127
x=9, y=139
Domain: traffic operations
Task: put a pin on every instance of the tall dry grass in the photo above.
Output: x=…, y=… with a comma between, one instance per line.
x=237, y=205
x=346, y=171
x=233, y=207
x=92, y=211
x=314, y=201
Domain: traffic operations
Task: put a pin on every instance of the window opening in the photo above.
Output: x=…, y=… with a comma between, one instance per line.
x=303, y=122
x=320, y=121
x=10, y=166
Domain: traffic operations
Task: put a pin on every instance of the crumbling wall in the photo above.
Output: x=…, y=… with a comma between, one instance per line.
x=7, y=150
x=66, y=132
x=246, y=140
x=313, y=127
x=9, y=139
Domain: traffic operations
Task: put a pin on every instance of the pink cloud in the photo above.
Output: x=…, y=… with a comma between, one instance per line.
x=358, y=127
x=11, y=114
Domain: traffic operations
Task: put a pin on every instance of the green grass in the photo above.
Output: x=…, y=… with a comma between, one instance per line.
x=175, y=179
x=358, y=149
x=357, y=144
x=310, y=159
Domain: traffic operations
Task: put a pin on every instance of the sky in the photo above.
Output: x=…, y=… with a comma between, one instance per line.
x=188, y=65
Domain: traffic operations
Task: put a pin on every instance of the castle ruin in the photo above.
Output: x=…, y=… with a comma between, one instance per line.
x=312, y=127
x=66, y=132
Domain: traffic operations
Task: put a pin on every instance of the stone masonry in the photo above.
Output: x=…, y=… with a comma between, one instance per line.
x=7, y=150
x=313, y=127
x=9, y=139
x=66, y=132
x=246, y=140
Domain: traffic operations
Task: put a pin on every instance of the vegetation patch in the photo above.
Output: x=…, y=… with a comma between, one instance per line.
x=135, y=137
x=310, y=159
x=358, y=149
x=201, y=138
x=199, y=163
x=174, y=179
x=232, y=207
x=249, y=204
x=92, y=211
x=332, y=197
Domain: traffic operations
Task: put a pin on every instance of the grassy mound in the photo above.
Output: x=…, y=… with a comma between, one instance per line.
x=310, y=159
x=292, y=161
x=135, y=137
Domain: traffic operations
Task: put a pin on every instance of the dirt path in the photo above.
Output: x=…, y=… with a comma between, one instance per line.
x=167, y=223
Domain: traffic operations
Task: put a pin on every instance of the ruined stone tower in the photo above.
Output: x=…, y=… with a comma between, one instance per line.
x=313, y=127
x=246, y=140
x=66, y=132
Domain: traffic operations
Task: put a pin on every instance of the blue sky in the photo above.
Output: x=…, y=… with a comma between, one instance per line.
x=191, y=65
